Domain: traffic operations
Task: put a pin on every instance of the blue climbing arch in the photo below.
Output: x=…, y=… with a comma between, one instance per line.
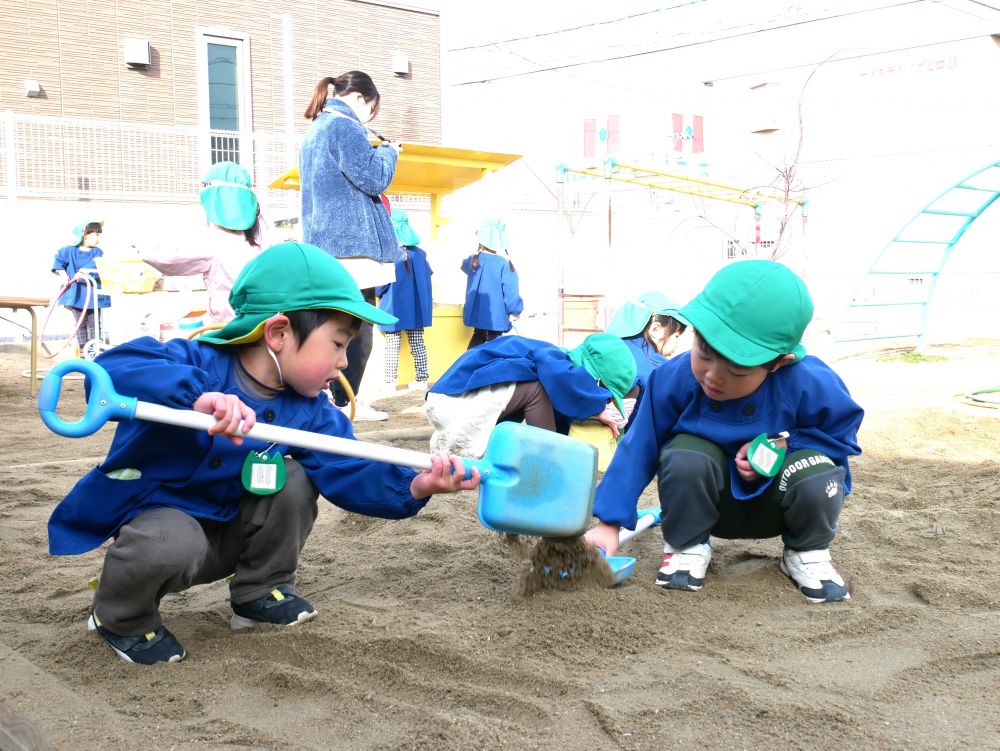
x=893, y=299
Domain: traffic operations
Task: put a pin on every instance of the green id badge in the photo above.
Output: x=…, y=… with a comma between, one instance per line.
x=263, y=472
x=765, y=455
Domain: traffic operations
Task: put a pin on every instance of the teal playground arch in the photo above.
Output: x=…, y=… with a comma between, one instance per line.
x=894, y=297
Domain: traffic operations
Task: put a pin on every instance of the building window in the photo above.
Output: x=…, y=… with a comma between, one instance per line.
x=224, y=97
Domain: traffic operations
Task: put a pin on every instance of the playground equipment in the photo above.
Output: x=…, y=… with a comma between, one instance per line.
x=894, y=297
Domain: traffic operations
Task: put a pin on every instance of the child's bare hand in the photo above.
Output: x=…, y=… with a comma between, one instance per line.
x=604, y=536
x=746, y=471
x=229, y=412
x=445, y=476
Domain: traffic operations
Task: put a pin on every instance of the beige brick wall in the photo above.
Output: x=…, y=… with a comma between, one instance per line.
x=74, y=49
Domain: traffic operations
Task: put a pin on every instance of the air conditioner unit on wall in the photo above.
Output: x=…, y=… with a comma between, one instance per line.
x=136, y=52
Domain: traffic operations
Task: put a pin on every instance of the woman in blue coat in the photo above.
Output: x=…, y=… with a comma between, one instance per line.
x=492, y=297
x=342, y=177
x=520, y=379
x=409, y=299
x=82, y=254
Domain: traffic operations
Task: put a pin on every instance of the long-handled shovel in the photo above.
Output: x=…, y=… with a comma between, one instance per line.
x=534, y=482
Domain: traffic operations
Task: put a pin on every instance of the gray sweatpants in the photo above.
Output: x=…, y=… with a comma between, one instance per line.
x=802, y=504
x=165, y=550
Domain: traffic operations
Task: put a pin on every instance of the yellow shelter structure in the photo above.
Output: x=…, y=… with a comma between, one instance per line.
x=434, y=171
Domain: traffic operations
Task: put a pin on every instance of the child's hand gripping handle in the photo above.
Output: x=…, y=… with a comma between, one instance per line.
x=104, y=403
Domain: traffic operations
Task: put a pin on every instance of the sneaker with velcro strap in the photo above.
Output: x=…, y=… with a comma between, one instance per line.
x=279, y=607
x=813, y=573
x=155, y=646
x=684, y=568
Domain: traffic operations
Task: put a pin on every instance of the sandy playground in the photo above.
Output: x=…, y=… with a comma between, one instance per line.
x=424, y=642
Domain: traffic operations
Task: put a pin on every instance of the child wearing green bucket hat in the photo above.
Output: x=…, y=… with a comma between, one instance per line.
x=650, y=326
x=747, y=436
x=492, y=294
x=186, y=507
x=231, y=237
x=528, y=380
x=78, y=297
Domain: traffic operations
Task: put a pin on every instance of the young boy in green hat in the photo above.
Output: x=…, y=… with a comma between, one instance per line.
x=748, y=437
x=186, y=507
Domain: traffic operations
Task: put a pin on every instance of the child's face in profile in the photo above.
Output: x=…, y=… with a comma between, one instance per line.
x=663, y=339
x=311, y=366
x=722, y=379
x=91, y=239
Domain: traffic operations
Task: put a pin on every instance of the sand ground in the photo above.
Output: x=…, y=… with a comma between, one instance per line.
x=424, y=642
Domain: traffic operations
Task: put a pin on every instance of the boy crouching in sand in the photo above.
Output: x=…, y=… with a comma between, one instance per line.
x=746, y=376
x=179, y=503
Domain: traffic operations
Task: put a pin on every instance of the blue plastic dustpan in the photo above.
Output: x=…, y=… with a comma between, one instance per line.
x=534, y=482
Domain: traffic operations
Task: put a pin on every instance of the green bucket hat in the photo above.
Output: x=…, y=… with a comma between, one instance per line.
x=631, y=318
x=405, y=234
x=492, y=234
x=286, y=277
x=228, y=198
x=608, y=359
x=751, y=312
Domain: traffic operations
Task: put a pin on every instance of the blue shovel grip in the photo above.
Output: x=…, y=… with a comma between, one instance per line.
x=104, y=403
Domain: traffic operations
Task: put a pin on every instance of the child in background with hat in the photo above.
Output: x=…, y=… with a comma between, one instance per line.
x=231, y=238
x=408, y=299
x=185, y=507
x=748, y=437
x=492, y=298
x=650, y=326
x=521, y=379
x=69, y=260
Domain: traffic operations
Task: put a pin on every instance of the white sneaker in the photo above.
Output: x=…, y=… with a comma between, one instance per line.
x=363, y=412
x=419, y=386
x=684, y=569
x=813, y=573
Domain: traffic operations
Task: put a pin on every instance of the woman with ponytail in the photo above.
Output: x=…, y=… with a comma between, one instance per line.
x=342, y=178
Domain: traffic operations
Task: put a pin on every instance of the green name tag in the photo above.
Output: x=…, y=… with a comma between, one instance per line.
x=765, y=455
x=264, y=473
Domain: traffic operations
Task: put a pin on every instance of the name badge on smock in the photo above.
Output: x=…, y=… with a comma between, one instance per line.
x=264, y=471
x=765, y=455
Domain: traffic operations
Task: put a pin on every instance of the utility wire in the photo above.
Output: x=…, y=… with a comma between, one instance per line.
x=687, y=44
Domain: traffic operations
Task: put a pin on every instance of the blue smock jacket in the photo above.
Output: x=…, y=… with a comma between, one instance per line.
x=341, y=177
x=71, y=259
x=491, y=293
x=197, y=473
x=646, y=358
x=574, y=393
x=409, y=297
x=806, y=398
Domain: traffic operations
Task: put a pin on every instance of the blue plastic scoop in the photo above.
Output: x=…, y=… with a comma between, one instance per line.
x=622, y=566
x=534, y=482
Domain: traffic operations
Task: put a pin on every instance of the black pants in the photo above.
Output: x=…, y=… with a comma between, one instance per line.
x=358, y=351
x=481, y=336
x=802, y=504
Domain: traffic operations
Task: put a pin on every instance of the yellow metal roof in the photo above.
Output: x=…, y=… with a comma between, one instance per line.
x=428, y=169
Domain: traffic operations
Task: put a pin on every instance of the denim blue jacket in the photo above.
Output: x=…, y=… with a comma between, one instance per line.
x=341, y=176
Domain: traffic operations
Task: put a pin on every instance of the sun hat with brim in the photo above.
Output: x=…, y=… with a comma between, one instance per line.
x=79, y=228
x=631, y=318
x=286, y=277
x=752, y=312
x=492, y=234
x=405, y=234
x=228, y=197
x=608, y=359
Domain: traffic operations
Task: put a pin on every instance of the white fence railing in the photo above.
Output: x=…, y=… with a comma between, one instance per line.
x=68, y=158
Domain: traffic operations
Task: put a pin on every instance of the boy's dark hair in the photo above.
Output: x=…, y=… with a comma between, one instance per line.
x=304, y=322
x=92, y=227
x=766, y=365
